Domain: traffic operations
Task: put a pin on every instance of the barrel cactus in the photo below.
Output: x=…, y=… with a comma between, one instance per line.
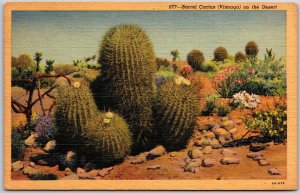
x=108, y=138
x=195, y=59
x=239, y=57
x=176, y=111
x=74, y=106
x=251, y=49
x=220, y=54
x=127, y=83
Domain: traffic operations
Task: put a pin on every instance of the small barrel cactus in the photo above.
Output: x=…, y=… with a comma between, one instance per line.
x=220, y=54
x=239, y=57
x=128, y=80
x=176, y=111
x=108, y=138
x=74, y=106
x=195, y=59
x=251, y=49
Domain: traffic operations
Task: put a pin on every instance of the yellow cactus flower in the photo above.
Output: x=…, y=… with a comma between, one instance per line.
x=109, y=115
x=106, y=121
x=76, y=84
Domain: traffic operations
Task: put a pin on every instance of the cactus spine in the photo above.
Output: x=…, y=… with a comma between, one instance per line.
x=108, y=138
x=176, y=111
x=74, y=106
x=128, y=67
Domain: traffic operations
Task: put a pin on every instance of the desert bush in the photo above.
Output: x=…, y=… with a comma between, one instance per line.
x=128, y=79
x=239, y=57
x=108, y=138
x=272, y=124
x=208, y=66
x=220, y=54
x=74, y=106
x=195, y=59
x=49, y=66
x=251, y=49
x=24, y=63
x=246, y=100
x=221, y=110
x=17, y=145
x=64, y=69
x=162, y=62
x=176, y=110
x=210, y=105
x=45, y=128
x=164, y=75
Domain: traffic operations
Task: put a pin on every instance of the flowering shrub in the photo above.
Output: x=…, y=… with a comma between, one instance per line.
x=186, y=71
x=246, y=100
x=271, y=124
x=45, y=128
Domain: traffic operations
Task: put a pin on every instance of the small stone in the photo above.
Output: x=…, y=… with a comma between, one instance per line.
x=230, y=160
x=216, y=126
x=224, y=119
x=156, y=152
x=69, y=160
x=201, y=142
x=190, y=167
x=173, y=154
x=30, y=141
x=70, y=177
x=263, y=162
x=32, y=164
x=44, y=159
x=227, y=125
x=88, y=175
x=215, y=144
x=30, y=171
x=257, y=147
x=254, y=154
x=228, y=152
x=154, y=167
x=139, y=160
x=207, y=150
x=209, y=135
x=105, y=171
x=50, y=146
x=68, y=171
x=195, y=153
x=261, y=157
x=17, y=166
x=80, y=171
x=274, y=171
x=208, y=162
x=222, y=133
x=239, y=121
x=222, y=140
x=233, y=131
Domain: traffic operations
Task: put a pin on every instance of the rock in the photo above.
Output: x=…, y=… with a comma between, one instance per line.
x=257, y=147
x=88, y=175
x=208, y=162
x=216, y=126
x=195, y=153
x=239, y=121
x=209, y=135
x=207, y=150
x=228, y=152
x=32, y=164
x=222, y=133
x=105, y=171
x=227, y=125
x=263, y=162
x=224, y=119
x=17, y=166
x=215, y=144
x=139, y=160
x=70, y=177
x=230, y=160
x=80, y=171
x=89, y=166
x=156, y=152
x=50, y=146
x=233, y=131
x=69, y=161
x=30, y=171
x=222, y=140
x=190, y=167
x=254, y=154
x=261, y=157
x=44, y=159
x=202, y=142
x=154, y=167
x=30, y=141
x=173, y=154
x=68, y=172
x=274, y=171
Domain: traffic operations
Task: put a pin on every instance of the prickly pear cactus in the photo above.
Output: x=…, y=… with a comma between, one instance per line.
x=74, y=106
x=176, y=111
x=108, y=138
x=128, y=80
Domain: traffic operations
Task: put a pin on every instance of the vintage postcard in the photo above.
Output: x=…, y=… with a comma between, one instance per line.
x=150, y=96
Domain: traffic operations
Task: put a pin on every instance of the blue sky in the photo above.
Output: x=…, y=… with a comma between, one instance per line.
x=65, y=36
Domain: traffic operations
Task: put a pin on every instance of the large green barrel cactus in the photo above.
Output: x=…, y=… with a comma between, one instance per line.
x=108, y=138
x=195, y=59
x=74, y=106
x=176, y=111
x=127, y=83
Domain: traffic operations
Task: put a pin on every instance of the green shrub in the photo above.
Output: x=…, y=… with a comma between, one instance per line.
x=162, y=62
x=251, y=49
x=239, y=57
x=47, y=82
x=17, y=145
x=176, y=111
x=127, y=83
x=271, y=124
x=64, y=69
x=108, y=138
x=210, y=105
x=24, y=63
x=221, y=110
x=21, y=78
x=49, y=66
x=208, y=66
x=220, y=54
x=195, y=59
x=74, y=106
